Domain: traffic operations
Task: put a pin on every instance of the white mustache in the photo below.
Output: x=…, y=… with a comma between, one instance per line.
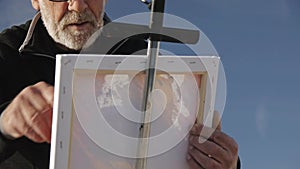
x=73, y=17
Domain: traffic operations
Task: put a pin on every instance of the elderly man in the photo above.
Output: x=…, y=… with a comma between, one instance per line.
x=27, y=54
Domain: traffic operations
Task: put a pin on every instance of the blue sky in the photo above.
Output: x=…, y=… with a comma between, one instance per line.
x=259, y=44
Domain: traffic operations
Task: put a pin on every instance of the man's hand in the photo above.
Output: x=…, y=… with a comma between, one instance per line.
x=211, y=148
x=30, y=114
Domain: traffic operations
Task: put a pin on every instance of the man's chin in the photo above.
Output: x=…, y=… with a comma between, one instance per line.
x=73, y=42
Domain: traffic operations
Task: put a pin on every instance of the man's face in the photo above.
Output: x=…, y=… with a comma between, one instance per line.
x=72, y=23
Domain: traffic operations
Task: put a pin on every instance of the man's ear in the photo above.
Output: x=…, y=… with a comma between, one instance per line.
x=35, y=4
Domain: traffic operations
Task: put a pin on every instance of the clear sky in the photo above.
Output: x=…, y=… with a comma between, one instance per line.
x=259, y=44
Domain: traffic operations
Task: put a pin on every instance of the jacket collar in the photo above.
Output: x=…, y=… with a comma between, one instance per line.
x=39, y=42
x=30, y=31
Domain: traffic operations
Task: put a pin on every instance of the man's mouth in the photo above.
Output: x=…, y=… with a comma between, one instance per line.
x=79, y=26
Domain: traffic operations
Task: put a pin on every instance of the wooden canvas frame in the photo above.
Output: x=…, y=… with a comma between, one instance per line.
x=66, y=65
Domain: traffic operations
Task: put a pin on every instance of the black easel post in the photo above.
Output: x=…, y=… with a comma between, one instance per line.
x=156, y=24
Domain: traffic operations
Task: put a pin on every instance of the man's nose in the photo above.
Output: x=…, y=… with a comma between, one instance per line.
x=77, y=5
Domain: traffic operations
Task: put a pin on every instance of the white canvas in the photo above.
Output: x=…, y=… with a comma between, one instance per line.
x=97, y=109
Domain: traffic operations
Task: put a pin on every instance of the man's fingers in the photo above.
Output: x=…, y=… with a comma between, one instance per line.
x=225, y=141
x=34, y=96
x=40, y=126
x=37, y=110
x=216, y=136
x=193, y=164
x=200, y=129
x=211, y=153
x=207, y=131
x=32, y=135
x=47, y=114
x=37, y=120
x=18, y=128
x=47, y=92
x=219, y=149
x=203, y=160
x=208, y=147
x=13, y=131
x=30, y=114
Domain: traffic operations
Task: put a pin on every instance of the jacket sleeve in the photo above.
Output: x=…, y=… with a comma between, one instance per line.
x=7, y=146
x=239, y=166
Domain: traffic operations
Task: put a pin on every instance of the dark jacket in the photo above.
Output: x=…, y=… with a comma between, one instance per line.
x=27, y=56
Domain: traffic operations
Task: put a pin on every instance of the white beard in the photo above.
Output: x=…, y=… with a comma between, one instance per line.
x=58, y=31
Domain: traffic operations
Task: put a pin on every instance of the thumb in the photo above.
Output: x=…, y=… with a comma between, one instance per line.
x=217, y=121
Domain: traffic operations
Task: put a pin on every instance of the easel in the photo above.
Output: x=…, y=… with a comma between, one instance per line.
x=155, y=29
